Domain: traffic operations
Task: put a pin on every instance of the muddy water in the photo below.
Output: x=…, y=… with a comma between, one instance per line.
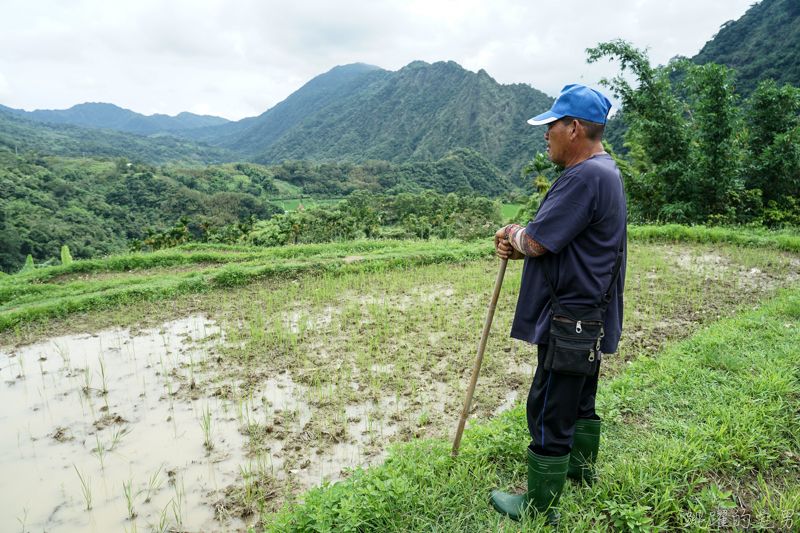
x=111, y=421
x=58, y=423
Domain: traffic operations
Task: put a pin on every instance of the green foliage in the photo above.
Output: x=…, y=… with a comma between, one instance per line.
x=538, y=165
x=545, y=173
x=231, y=276
x=66, y=258
x=28, y=266
x=760, y=45
x=772, y=162
x=364, y=214
x=419, y=113
x=179, y=234
x=657, y=128
x=715, y=149
x=694, y=160
x=461, y=170
x=96, y=206
x=99, y=206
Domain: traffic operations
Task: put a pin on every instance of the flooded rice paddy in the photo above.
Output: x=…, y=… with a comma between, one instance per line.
x=209, y=413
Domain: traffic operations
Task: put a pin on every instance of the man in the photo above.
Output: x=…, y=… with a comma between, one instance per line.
x=578, y=232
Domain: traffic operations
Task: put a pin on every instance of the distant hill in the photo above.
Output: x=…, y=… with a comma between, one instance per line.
x=69, y=140
x=254, y=134
x=109, y=116
x=420, y=113
x=763, y=43
x=352, y=113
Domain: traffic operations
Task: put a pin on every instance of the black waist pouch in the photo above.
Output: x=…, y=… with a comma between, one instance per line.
x=575, y=334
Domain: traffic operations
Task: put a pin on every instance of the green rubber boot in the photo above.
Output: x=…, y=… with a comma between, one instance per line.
x=584, y=450
x=546, y=478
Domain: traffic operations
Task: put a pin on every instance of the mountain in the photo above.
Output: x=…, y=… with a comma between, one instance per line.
x=352, y=113
x=419, y=113
x=63, y=139
x=109, y=116
x=254, y=134
x=763, y=43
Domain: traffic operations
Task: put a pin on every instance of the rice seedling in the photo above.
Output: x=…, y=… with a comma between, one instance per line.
x=130, y=497
x=63, y=351
x=86, y=488
x=117, y=434
x=100, y=452
x=248, y=477
x=87, y=380
x=153, y=484
x=177, y=503
x=24, y=518
x=206, y=424
x=163, y=525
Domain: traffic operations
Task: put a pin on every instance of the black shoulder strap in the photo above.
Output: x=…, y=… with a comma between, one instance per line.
x=606, y=299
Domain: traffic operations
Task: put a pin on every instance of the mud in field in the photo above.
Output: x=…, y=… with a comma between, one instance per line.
x=102, y=418
x=672, y=290
x=301, y=379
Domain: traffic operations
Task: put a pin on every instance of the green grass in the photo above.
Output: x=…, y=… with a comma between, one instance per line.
x=510, y=210
x=287, y=190
x=707, y=430
x=788, y=240
x=28, y=297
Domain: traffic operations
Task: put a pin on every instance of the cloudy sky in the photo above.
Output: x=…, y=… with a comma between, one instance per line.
x=239, y=58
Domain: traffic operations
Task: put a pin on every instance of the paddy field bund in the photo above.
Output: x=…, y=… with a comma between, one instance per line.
x=210, y=387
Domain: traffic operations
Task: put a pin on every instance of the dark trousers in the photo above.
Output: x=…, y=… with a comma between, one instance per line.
x=555, y=401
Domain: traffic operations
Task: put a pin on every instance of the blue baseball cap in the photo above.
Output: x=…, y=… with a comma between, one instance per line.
x=577, y=101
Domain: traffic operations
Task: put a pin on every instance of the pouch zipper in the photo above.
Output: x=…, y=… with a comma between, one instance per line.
x=592, y=353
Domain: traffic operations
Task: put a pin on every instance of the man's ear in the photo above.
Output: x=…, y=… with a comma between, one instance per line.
x=575, y=129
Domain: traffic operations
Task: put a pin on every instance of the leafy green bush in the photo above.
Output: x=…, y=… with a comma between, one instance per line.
x=66, y=258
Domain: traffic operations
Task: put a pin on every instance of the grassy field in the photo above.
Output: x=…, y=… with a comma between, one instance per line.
x=118, y=280
x=509, y=210
x=373, y=342
x=287, y=190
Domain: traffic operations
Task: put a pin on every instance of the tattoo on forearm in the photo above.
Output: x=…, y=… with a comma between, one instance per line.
x=522, y=242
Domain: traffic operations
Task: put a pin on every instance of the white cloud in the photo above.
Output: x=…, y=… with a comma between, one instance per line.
x=240, y=58
x=6, y=91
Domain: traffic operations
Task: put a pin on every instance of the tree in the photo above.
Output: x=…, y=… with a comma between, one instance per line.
x=659, y=136
x=715, y=148
x=772, y=162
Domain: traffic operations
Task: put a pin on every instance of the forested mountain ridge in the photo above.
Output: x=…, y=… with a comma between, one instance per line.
x=764, y=43
x=110, y=116
x=353, y=113
x=419, y=113
x=69, y=140
x=253, y=134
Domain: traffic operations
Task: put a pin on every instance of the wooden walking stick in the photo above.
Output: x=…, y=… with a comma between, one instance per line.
x=479, y=359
